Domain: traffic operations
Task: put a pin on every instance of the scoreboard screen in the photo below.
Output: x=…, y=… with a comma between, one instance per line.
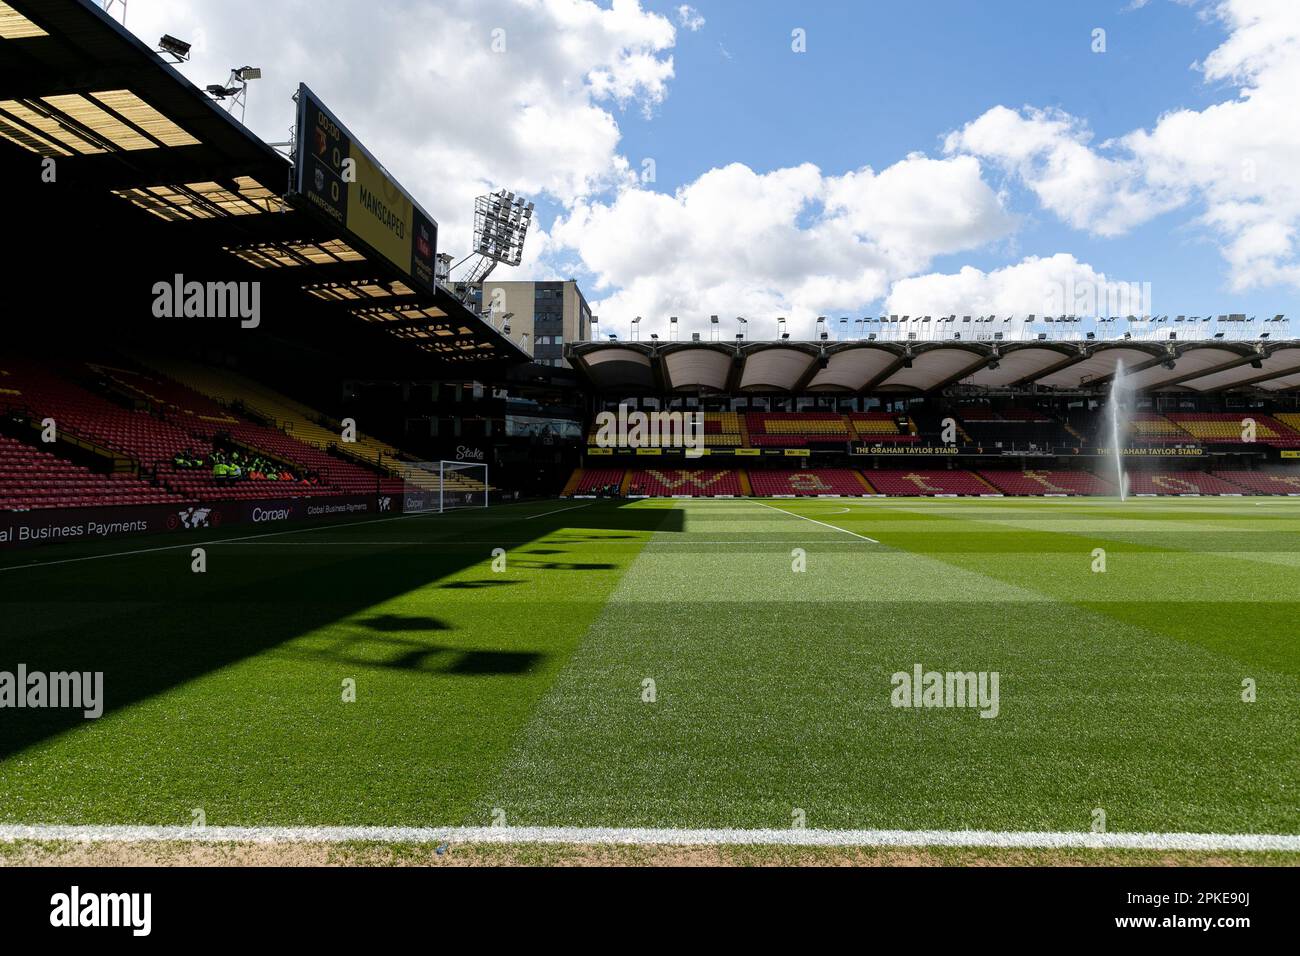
x=338, y=178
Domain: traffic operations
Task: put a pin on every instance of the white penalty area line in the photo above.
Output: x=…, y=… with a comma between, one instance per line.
x=815, y=521
x=650, y=836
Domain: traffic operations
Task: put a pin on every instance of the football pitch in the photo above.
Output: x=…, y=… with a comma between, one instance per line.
x=678, y=664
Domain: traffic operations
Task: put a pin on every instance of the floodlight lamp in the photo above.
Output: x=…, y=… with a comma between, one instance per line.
x=176, y=47
x=247, y=73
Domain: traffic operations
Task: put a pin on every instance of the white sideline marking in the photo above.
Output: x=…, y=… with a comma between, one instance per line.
x=815, y=521
x=557, y=511
x=666, y=836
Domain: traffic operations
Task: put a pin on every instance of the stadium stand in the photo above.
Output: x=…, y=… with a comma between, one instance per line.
x=31, y=478
x=810, y=481
x=1150, y=428
x=880, y=427
x=235, y=391
x=1290, y=419
x=1270, y=481
x=1180, y=483
x=1047, y=482
x=1225, y=428
x=1014, y=428
x=796, y=429
x=145, y=438
x=928, y=482
x=667, y=482
x=170, y=419
x=722, y=429
x=599, y=480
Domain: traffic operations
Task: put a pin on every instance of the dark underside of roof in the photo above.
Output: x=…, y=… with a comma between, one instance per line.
x=153, y=179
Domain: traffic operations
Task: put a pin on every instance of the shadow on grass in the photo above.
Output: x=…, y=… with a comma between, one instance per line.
x=384, y=650
x=150, y=624
x=475, y=585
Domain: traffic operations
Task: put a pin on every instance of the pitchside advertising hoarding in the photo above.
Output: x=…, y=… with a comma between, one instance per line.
x=341, y=180
x=25, y=529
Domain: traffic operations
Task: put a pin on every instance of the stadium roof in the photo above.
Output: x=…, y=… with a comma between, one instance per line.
x=77, y=86
x=915, y=368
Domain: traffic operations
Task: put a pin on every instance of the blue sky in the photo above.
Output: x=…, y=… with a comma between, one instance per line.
x=925, y=156
x=882, y=80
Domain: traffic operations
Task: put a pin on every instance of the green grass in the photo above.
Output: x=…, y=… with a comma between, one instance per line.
x=522, y=690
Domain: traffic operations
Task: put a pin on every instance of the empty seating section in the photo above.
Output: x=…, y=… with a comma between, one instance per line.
x=810, y=482
x=1272, y=481
x=1231, y=428
x=928, y=482
x=31, y=478
x=1290, y=419
x=1013, y=428
x=597, y=480
x=795, y=429
x=880, y=427
x=667, y=482
x=722, y=430
x=235, y=390
x=1147, y=428
x=1179, y=483
x=165, y=395
x=136, y=433
x=175, y=418
x=1047, y=482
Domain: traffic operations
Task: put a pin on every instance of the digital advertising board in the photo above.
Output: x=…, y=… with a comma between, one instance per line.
x=341, y=180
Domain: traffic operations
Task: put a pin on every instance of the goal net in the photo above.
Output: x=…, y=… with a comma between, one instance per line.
x=433, y=486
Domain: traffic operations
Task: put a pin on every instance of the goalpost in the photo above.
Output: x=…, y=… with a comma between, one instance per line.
x=437, y=486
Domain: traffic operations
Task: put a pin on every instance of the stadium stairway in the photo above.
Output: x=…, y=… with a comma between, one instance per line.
x=571, y=486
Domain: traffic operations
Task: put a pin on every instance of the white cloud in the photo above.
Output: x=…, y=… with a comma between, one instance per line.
x=1237, y=159
x=421, y=83
x=689, y=17
x=1054, y=285
x=789, y=242
x=1049, y=151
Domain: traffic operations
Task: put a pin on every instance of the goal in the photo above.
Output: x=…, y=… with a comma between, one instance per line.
x=436, y=486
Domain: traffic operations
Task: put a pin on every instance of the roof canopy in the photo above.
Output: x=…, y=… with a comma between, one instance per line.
x=918, y=368
x=119, y=120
